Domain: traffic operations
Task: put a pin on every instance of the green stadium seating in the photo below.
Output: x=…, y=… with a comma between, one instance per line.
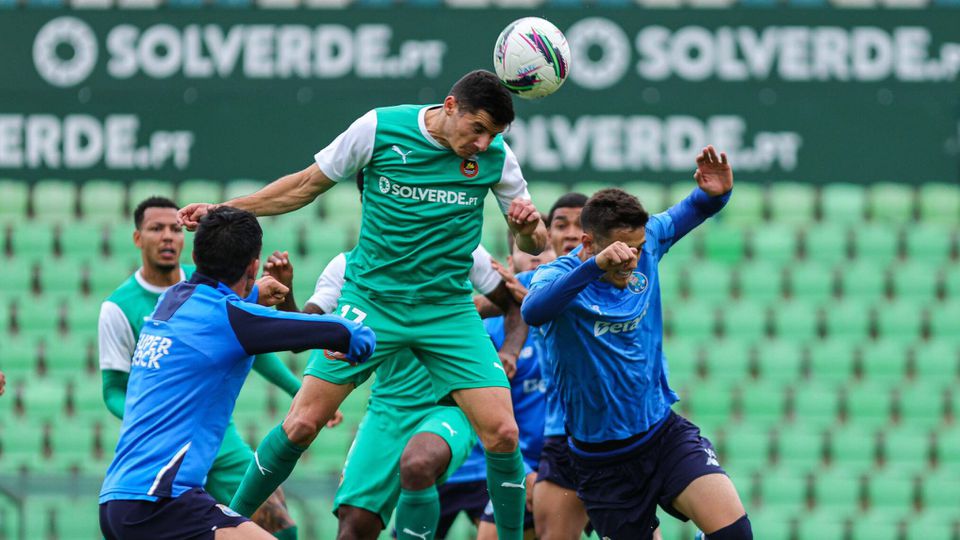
x=55, y=201
x=120, y=242
x=33, y=240
x=784, y=489
x=39, y=315
x=811, y=280
x=22, y=442
x=763, y=404
x=951, y=281
x=144, y=189
x=280, y=236
x=771, y=523
x=20, y=354
x=83, y=313
x=929, y=243
x=921, y=406
x=792, y=203
x=18, y=281
x=241, y=187
x=199, y=190
x=947, y=447
x=831, y=361
x=324, y=240
x=724, y=244
x=677, y=191
x=940, y=203
x=760, y=281
x=891, y=491
x=61, y=277
x=863, y=280
x=688, y=248
x=939, y=491
x=914, y=280
x=843, y=203
x=774, y=243
x=14, y=200
x=81, y=240
x=900, y=320
x=945, y=318
x=86, y=396
x=815, y=406
x=799, y=448
x=882, y=523
x=836, y=489
x=746, y=207
x=868, y=406
x=779, y=361
x=709, y=404
x=342, y=204
x=6, y=319
x=651, y=196
x=544, y=194
x=826, y=243
x=744, y=319
x=847, y=319
x=853, y=448
x=72, y=444
x=692, y=319
x=876, y=243
x=710, y=282
x=935, y=363
x=745, y=443
x=928, y=526
x=683, y=358
x=892, y=203
x=44, y=399
x=906, y=449
x=824, y=524
x=254, y=397
x=67, y=356
x=103, y=201
x=795, y=320
x=107, y=274
x=77, y=518
x=728, y=361
x=884, y=362
x=671, y=282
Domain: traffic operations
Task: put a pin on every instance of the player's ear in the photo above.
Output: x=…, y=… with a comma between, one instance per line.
x=136, y=238
x=587, y=240
x=450, y=105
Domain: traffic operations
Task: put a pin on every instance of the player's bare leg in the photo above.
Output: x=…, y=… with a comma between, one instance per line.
x=357, y=524
x=245, y=531
x=712, y=502
x=425, y=458
x=273, y=515
x=313, y=406
x=558, y=513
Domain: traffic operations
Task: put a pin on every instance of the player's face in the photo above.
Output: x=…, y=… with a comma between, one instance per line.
x=472, y=133
x=565, y=231
x=634, y=238
x=160, y=238
x=521, y=261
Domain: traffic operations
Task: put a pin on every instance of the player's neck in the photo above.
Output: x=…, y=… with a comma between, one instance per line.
x=160, y=277
x=434, y=120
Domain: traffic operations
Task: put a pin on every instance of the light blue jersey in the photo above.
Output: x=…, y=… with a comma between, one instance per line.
x=192, y=357
x=607, y=343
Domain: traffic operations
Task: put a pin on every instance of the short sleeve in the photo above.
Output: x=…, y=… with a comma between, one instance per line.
x=512, y=184
x=329, y=284
x=482, y=275
x=115, y=338
x=350, y=151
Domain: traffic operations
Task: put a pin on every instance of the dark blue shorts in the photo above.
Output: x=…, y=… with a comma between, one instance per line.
x=621, y=492
x=555, y=464
x=192, y=515
x=488, y=516
x=467, y=497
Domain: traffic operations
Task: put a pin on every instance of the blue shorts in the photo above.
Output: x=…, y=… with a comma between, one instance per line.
x=621, y=492
x=468, y=497
x=192, y=515
x=555, y=464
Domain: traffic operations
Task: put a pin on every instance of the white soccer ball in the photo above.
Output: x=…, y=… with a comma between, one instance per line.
x=532, y=57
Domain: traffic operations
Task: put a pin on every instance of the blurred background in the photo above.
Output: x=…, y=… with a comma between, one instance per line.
x=813, y=329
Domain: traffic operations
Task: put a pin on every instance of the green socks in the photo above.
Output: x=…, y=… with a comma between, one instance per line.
x=272, y=464
x=418, y=513
x=289, y=533
x=506, y=483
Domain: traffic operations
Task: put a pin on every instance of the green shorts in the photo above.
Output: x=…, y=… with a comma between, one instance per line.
x=371, y=474
x=229, y=466
x=449, y=339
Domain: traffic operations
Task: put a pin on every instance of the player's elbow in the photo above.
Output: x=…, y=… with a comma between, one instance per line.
x=530, y=311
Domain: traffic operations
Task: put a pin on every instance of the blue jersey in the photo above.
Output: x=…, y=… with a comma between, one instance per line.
x=529, y=403
x=607, y=342
x=192, y=357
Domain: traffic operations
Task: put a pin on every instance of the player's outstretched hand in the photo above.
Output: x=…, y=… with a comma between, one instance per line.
x=272, y=292
x=523, y=216
x=714, y=175
x=189, y=216
x=278, y=265
x=517, y=290
x=336, y=420
x=509, y=362
x=362, y=344
x=617, y=255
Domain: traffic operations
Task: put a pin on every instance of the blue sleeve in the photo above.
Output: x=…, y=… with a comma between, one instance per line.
x=261, y=330
x=494, y=328
x=687, y=214
x=552, y=291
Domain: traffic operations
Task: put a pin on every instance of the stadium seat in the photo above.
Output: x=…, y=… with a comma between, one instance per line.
x=935, y=363
x=651, y=196
x=683, y=358
x=55, y=200
x=779, y=361
x=61, y=277
x=691, y=319
x=762, y=404
x=14, y=200
x=800, y=448
x=831, y=361
x=103, y=201
x=796, y=320
x=939, y=203
x=876, y=243
x=767, y=523
x=792, y=203
x=945, y=318
x=67, y=356
x=106, y=275
x=914, y=280
x=6, y=318
x=77, y=518
x=746, y=207
x=120, y=242
x=279, y=235
x=884, y=361
x=939, y=491
x=921, y=406
x=143, y=189
x=709, y=404
x=774, y=243
x=784, y=489
x=892, y=203
x=836, y=489
x=811, y=281
x=882, y=522
x=40, y=315
x=891, y=491
x=847, y=319
x=688, y=248
x=826, y=243
x=242, y=187
x=815, y=406
x=906, y=449
x=21, y=354
x=929, y=243
x=900, y=320
x=44, y=399
x=843, y=203
x=18, y=279
x=744, y=319
x=863, y=280
x=86, y=396
x=760, y=281
x=544, y=194
x=83, y=313
x=947, y=447
x=745, y=443
x=22, y=442
x=33, y=240
x=671, y=281
x=725, y=244
x=868, y=406
x=709, y=282
x=81, y=240
x=71, y=444
x=198, y=190
x=852, y=449
x=343, y=205
x=728, y=361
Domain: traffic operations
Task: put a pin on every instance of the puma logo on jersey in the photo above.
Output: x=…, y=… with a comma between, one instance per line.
x=416, y=535
x=403, y=156
x=512, y=485
x=263, y=470
x=453, y=432
x=150, y=350
x=498, y=366
x=602, y=327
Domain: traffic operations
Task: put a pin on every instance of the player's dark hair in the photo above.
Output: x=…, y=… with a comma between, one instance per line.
x=610, y=209
x=567, y=200
x=227, y=240
x=151, y=202
x=482, y=91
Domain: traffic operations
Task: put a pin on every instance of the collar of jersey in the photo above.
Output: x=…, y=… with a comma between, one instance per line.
x=138, y=275
x=422, y=121
x=200, y=279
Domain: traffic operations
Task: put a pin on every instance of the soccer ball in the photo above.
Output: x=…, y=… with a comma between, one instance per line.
x=532, y=57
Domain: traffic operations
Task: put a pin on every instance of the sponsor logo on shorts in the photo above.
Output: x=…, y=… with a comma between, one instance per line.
x=469, y=168
x=227, y=511
x=637, y=283
x=453, y=432
x=427, y=194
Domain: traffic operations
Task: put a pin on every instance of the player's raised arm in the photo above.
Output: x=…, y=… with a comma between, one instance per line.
x=714, y=186
x=526, y=224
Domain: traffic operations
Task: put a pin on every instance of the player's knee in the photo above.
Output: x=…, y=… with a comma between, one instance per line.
x=301, y=427
x=503, y=437
x=418, y=470
x=357, y=524
x=738, y=530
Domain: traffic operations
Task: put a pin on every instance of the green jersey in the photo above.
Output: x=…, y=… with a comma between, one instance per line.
x=422, y=204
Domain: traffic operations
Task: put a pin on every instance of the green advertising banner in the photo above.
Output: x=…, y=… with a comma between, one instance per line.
x=807, y=95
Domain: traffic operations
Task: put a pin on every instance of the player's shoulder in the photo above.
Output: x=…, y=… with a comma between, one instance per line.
x=526, y=277
x=397, y=112
x=127, y=291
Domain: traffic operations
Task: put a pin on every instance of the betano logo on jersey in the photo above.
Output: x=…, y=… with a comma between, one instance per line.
x=416, y=193
x=150, y=349
x=603, y=327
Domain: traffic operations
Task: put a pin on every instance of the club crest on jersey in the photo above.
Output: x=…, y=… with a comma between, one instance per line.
x=384, y=185
x=637, y=283
x=469, y=168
